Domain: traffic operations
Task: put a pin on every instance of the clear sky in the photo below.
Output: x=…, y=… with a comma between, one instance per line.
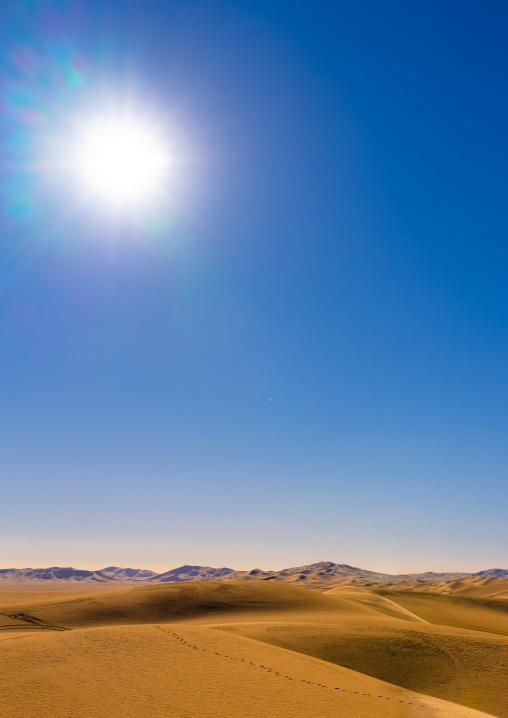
x=302, y=354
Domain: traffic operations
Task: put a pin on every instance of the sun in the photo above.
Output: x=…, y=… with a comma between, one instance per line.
x=121, y=162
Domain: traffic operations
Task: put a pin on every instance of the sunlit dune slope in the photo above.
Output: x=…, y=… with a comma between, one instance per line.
x=119, y=653
x=474, y=586
x=479, y=587
x=22, y=594
x=463, y=611
x=465, y=667
x=183, y=671
x=207, y=601
x=459, y=652
x=380, y=604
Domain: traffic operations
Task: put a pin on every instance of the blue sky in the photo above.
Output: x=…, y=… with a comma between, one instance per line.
x=302, y=356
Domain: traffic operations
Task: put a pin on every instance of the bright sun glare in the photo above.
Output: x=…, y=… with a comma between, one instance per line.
x=121, y=162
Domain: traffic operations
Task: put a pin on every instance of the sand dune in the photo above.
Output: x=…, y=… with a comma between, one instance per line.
x=475, y=586
x=16, y=594
x=465, y=668
x=206, y=601
x=378, y=603
x=250, y=649
x=178, y=670
x=456, y=610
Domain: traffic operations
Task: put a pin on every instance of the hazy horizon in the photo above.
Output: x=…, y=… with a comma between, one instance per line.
x=162, y=568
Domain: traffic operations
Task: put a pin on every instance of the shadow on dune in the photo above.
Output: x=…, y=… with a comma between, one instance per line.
x=199, y=601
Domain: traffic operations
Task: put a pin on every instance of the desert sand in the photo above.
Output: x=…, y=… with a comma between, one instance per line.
x=252, y=648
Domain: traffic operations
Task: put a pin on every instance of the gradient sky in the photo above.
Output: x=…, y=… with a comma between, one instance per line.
x=303, y=356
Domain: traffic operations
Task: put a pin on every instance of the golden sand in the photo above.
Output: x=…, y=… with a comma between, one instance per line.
x=254, y=649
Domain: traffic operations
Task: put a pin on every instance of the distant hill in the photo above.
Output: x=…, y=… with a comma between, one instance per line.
x=127, y=574
x=72, y=575
x=450, y=576
x=321, y=575
x=54, y=573
x=431, y=576
x=192, y=573
x=112, y=574
x=493, y=573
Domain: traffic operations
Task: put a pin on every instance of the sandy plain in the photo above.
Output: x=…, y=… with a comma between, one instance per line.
x=254, y=649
